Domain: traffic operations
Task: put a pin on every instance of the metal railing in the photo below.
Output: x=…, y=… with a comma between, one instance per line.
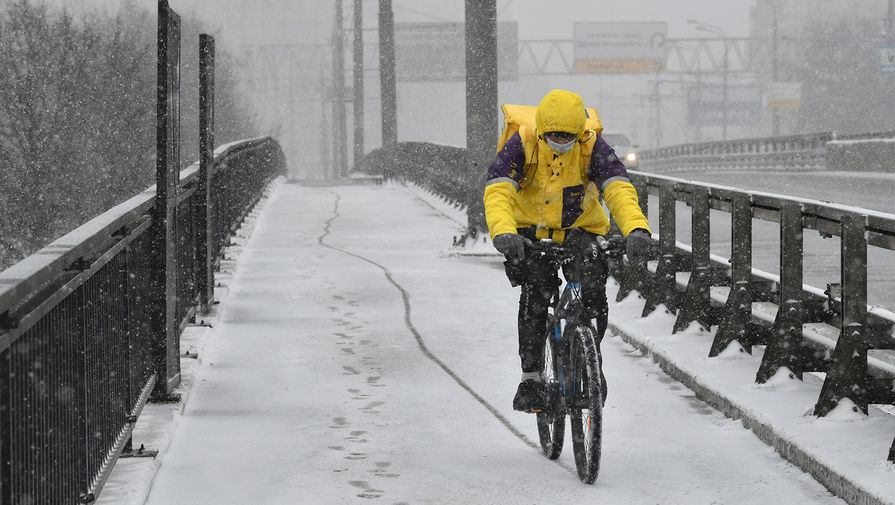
x=439, y=168
x=794, y=152
x=79, y=356
x=842, y=306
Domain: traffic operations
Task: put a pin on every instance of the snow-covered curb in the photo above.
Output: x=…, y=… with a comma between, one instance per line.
x=845, y=451
x=131, y=479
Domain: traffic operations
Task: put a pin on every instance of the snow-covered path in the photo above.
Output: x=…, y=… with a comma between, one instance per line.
x=345, y=369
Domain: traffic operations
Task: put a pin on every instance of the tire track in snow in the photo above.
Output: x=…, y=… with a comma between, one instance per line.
x=421, y=343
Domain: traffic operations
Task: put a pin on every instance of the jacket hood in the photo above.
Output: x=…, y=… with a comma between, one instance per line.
x=560, y=111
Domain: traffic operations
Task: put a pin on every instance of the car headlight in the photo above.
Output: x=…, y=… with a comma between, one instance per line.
x=632, y=157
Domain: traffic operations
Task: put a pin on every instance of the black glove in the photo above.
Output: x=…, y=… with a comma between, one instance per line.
x=638, y=244
x=512, y=245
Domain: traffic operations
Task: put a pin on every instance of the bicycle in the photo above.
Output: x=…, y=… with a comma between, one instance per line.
x=571, y=370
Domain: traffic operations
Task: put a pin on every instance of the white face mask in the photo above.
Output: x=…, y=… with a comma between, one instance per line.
x=560, y=148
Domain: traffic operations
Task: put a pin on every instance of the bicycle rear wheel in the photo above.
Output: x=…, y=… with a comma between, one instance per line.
x=552, y=419
x=586, y=405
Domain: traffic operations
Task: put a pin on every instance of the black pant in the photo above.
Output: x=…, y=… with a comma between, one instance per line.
x=541, y=282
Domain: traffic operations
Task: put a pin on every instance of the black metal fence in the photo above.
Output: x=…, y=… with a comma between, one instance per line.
x=842, y=306
x=77, y=351
x=438, y=168
x=794, y=152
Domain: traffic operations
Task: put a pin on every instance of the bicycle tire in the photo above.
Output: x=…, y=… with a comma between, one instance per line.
x=586, y=405
x=552, y=419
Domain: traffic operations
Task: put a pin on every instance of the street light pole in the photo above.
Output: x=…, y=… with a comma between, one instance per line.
x=774, y=75
x=718, y=31
x=724, y=100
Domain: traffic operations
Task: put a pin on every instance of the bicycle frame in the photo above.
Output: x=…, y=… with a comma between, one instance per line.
x=572, y=369
x=567, y=310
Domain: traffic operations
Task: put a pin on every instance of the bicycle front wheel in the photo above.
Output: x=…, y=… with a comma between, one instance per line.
x=552, y=419
x=586, y=407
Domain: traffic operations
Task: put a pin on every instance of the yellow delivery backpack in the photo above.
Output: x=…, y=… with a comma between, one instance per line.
x=521, y=118
x=516, y=116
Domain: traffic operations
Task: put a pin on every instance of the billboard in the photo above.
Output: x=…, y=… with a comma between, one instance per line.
x=705, y=105
x=437, y=51
x=619, y=47
x=887, y=59
x=784, y=95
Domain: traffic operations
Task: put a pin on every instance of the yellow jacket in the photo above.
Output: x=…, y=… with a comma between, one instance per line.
x=530, y=184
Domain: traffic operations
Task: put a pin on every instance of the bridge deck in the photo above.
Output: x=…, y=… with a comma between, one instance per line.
x=343, y=365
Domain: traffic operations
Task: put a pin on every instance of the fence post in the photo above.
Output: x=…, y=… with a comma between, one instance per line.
x=204, y=214
x=164, y=271
x=738, y=309
x=786, y=347
x=697, y=302
x=633, y=275
x=663, y=288
x=847, y=373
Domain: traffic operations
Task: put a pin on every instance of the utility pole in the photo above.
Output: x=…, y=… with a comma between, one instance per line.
x=481, y=103
x=324, y=127
x=340, y=150
x=387, y=86
x=890, y=23
x=718, y=31
x=724, y=100
x=775, y=131
x=358, y=82
x=658, y=94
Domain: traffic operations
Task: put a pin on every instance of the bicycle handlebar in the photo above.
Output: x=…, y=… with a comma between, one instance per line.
x=613, y=247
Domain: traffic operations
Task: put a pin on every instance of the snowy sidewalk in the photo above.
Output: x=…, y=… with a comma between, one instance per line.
x=358, y=361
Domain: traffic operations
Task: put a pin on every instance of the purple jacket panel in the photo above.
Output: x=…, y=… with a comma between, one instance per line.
x=510, y=161
x=604, y=164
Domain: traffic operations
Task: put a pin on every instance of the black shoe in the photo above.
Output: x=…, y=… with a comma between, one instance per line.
x=530, y=397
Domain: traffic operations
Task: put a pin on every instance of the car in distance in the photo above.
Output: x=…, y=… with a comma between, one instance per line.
x=624, y=148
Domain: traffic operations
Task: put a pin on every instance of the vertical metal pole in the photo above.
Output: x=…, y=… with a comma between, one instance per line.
x=340, y=149
x=699, y=94
x=726, y=66
x=699, y=226
x=481, y=103
x=847, y=373
x=664, y=289
x=774, y=65
x=6, y=429
x=324, y=124
x=697, y=306
x=854, y=271
x=164, y=273
x=358, y=81
x=890, y=23
x=786, y=347
x=204, y=214
x=738, y=310
x=658, y=130
x=791, y=246
x=387, y=84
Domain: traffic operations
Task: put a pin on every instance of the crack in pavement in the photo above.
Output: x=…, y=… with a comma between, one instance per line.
x=421, y=343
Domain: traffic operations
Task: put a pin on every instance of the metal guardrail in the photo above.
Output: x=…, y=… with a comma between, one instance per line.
x=842, y=306
x=78, y=355
x=795, y=152
x=439, y=168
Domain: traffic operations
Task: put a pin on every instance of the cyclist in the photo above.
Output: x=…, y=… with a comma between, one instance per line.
x=546, y=183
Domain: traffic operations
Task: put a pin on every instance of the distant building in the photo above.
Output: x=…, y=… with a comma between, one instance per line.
x=797, y=21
